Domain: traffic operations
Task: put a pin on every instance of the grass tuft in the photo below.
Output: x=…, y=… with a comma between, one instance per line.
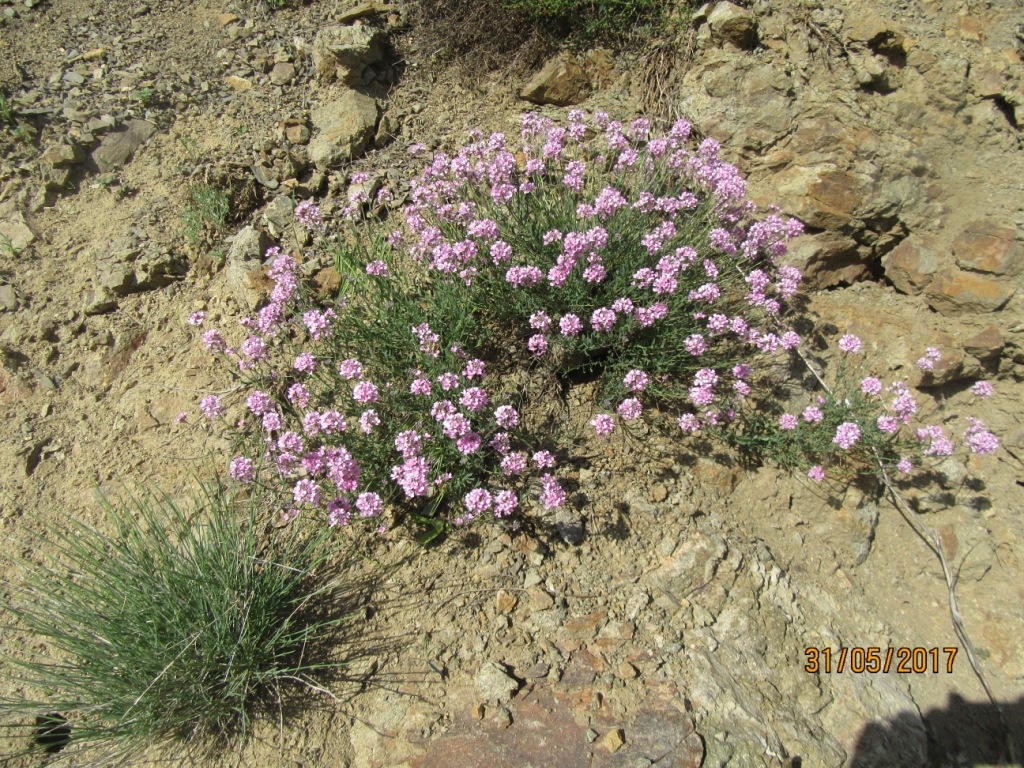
x=167, y=630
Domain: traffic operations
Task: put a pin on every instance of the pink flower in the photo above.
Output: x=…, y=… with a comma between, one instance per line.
x=242, y=469
x=570, y=325
x=689, y=423
x=478, y=501
x=468, y=444
x=214, y=342
x=603, y=424
x=847, y=434
x=544, y=459
x=850, y=343
x=553, y=495
x=630, y=409
x=196, y=318
x=603, y=319
x=538, y=344
x=506, y=416
x=351, y=369
x=365, y=392
x=817, y=474
x=888, y=424
x=513, y=463
x=696, y=345
x=475, y=369
x=307, y=492
x=540, y=321
x=871, y=386
x=787, y=421
x=982, y=389
x=505, y=503
x=979, y=439
x=259, y=403
x=812, y=414
x=905, y=465
x=368, y=420
x=369, y=504
x=211, y=407
x=474, y=399
x=635, y=381
x=448, y=381
x=305, y=363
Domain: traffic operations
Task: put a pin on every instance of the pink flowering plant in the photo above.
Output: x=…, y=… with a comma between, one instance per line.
x=595, y=251
x=859, y=420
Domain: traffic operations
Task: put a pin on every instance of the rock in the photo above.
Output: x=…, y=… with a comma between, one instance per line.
x=873, y=72
x=870, y=29
x=342, y=53
x=8, y=298
x=118, y=147
x=279, y=216
x=614, y=740
x=296, y=131
x=985, y=344
x=733, y=24
x=537, y=671
x=361, y=11
x=264, y=176
x=827, y=260
x=823, y=196
x=15, y=230
x=344, y=129
x=569, y=526
x=912, y=265
x=238, y=84
x=244, y=257
x=985, y=246
x=540, y=600
x=561, y=81
x=494, y=683
x=953, y=291
x=505, y=602
x=282, y=73
x=62, y=154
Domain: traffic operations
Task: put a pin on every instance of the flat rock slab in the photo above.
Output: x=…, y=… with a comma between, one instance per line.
x=544, y=732
x=118, y=147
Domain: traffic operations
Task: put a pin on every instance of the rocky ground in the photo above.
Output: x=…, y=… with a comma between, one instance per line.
x=667, y=624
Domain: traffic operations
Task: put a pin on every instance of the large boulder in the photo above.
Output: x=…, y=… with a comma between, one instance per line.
x=733, y=24
x=562, y=82
x=342, y=53
x=344, y=128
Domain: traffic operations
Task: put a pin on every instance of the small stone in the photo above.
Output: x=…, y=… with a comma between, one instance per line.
x=13, y=228
x=62, y=154
x=538, y=670
x=282, y=73
x=342, y=53
x=540, y=600
x=238, y=84
x=265, y=176
x=478, y=711
x=659, y=493
x=626, y=671
x=569, y=526
x=119, y=146
x=227, y=18
x=591, y=736
x=614, y=740
x=494, y=683
x=361, y=11
x=344, y=129
x=297, y=133
x=505, y=602
x=8, y=298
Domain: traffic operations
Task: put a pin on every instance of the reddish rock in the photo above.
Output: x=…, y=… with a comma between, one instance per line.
x=823, y=197
x=912, y=265
x=826, y=260
x=985, y=344
x=562, y=82
x=954, y=290
x=988, y=247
